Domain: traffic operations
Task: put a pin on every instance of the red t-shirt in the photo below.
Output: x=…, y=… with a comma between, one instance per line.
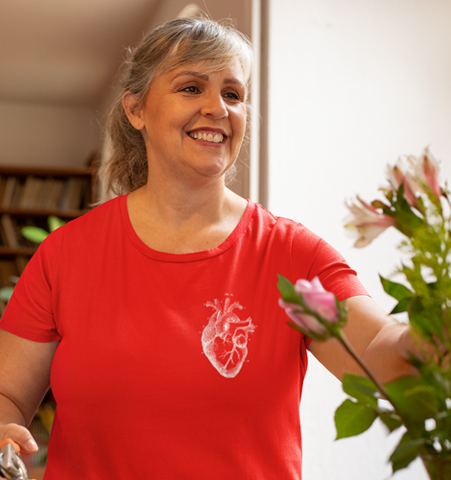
x=172, y=366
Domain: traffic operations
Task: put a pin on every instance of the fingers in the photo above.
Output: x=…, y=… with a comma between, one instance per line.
x=21, y=436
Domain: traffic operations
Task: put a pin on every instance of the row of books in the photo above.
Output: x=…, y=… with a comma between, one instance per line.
x=35, y=193
x=10, y=234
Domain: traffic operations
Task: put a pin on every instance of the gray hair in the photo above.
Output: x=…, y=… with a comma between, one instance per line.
x=175, y=43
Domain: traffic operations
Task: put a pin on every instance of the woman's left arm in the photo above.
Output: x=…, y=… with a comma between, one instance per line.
x=382, y=342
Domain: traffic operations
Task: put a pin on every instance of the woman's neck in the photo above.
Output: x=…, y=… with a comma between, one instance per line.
x=177, y=219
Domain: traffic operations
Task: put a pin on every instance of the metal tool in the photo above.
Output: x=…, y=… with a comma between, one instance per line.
x=11, y=464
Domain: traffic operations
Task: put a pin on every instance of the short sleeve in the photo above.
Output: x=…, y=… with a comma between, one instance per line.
x=29, y=313
x=314, y=257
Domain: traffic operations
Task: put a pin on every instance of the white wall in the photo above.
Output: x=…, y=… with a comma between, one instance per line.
x=46, y=135
x=353, y=85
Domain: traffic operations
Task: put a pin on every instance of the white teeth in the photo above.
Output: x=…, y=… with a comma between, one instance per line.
x=207, y=137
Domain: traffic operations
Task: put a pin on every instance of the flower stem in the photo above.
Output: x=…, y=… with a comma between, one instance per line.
x=354, y=354
x=341, y=336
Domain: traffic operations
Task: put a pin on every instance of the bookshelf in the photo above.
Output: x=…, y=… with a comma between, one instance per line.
x=28, y=196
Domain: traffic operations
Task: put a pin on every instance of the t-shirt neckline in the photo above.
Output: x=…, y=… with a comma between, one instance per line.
x=184, y=257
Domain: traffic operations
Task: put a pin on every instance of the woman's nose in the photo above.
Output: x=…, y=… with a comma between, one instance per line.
x=214, y=106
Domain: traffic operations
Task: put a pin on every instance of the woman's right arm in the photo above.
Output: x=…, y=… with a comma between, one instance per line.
x=24, y=380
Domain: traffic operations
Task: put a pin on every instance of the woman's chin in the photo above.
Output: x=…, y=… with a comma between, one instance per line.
x=211, y=172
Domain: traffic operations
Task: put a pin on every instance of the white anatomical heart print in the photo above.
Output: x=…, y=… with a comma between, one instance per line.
x=224, y=339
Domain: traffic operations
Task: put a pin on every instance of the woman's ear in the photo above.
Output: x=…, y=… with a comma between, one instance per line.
x=133, y=110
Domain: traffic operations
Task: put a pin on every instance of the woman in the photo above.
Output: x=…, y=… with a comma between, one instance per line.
x=155, y=316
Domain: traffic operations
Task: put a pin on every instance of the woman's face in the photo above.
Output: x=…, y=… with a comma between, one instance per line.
x=193, y=122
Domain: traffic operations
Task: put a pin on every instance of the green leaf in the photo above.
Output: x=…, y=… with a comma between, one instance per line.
x=395, y=290
x=402, y=305
x=34, y=234
x=391, y=419
x=404, y=213
x=414, y=399
x=361, y=388
x=298, y=328
x=286, y=289
x=55, y=222
x=5, y=293
x=424, y=320
x=406, y=451
x=353, y=419
x=445, y=383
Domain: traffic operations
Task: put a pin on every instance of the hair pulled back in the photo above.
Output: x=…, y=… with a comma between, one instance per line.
x=173, y=44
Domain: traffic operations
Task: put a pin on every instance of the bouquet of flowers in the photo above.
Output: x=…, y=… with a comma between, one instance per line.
x=415, y=203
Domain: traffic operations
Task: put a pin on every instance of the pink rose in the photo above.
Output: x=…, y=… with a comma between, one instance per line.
x=306, y=322
x=317, y=299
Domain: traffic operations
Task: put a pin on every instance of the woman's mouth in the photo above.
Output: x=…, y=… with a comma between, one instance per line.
x=207, y=137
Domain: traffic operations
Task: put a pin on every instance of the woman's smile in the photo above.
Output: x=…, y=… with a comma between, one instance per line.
x=208, y=136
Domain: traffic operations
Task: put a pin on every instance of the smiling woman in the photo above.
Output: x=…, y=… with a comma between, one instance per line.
x=173, y=46
x=192, y=122
x=155, y=316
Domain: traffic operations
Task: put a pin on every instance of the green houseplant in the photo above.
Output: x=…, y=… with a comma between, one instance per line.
x=415, y=203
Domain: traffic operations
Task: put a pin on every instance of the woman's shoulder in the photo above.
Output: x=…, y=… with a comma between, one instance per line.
x=283, y=226
x=91, y=224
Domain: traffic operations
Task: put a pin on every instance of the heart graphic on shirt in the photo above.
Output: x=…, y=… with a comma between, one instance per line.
x=224, y=339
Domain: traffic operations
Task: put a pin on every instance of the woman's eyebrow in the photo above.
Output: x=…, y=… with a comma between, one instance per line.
x=233, y=81
x=203, y=76
x=192, y=73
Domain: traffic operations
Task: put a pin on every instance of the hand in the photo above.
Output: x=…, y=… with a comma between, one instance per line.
x=411, y=343
x=21, y=436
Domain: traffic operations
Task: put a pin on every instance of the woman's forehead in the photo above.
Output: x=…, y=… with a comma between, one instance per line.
x=208, y=67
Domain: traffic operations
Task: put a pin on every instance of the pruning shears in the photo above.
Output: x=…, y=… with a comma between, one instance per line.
x=11, y=463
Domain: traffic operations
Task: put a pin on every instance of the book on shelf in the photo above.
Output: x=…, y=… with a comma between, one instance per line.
x=28, y=188
x=71, y=195
x=8, y=272
x=54, y=194
x=9, y=231
x=11, y=234
x=17, y=195
x=41, y=201
x=2, y=188
x=9, y=191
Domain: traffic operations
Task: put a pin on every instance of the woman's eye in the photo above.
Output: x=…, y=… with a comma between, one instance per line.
x=191, y=89
x=232, y=95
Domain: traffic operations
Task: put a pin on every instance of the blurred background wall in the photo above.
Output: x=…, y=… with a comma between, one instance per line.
x=352, y=85
x=58, y=63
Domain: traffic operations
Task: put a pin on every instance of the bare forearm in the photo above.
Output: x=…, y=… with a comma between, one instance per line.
x=12, y=425
x=10, y=413
x=386, y=354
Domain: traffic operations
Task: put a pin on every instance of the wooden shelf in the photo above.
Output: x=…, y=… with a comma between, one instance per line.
x=11, y=170
x=28, y=196
x=28, y=212
x=9, y=251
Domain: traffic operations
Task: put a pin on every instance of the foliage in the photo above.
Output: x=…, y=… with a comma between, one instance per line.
x=419, y=207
